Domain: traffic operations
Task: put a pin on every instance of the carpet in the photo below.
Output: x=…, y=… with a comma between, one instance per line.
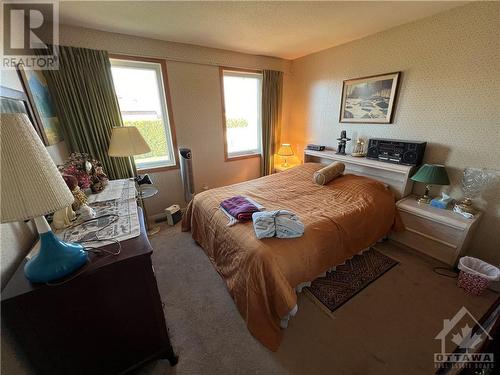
x=339, y=286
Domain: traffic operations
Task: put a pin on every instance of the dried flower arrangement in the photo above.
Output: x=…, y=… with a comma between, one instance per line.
x=88, y=171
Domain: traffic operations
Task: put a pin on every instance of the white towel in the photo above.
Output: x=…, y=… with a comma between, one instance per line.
x=232, y=219
x=280, y=223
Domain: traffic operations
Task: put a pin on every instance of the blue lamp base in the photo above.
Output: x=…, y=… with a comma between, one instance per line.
x=55, y=259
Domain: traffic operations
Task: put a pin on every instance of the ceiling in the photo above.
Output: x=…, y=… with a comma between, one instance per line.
x=282, y=29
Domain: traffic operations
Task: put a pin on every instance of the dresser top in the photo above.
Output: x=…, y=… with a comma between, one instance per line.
x=133, y=247
x=445, y=216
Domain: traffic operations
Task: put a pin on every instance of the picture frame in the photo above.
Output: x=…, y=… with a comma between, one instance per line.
x=369, y=100
x=44, y=113
x=15, y=101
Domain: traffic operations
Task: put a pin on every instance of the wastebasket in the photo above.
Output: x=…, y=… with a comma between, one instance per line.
x=476, y=275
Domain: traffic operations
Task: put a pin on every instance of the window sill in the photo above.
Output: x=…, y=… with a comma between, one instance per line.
x=157, y=169
x=241, y=157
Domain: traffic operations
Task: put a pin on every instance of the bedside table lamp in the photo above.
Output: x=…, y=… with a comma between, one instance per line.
x=127, y=141
x=285, y=150
x=430, y=174
x=31, y=188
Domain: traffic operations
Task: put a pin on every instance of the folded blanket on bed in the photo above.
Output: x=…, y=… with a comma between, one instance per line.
x=279, y=223
x=239, y=208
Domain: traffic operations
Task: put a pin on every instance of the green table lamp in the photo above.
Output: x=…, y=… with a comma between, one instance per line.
x=430, y=174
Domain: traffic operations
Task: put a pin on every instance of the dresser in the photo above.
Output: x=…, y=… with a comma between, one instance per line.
x=107, y=320
x=441, y=234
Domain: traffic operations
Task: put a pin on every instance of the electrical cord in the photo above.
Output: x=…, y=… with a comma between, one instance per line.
x=93, y=249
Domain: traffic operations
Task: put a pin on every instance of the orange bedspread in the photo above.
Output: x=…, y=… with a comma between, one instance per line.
x=340, y=218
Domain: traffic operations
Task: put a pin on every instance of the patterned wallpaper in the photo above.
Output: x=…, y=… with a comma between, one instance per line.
x=449, y=96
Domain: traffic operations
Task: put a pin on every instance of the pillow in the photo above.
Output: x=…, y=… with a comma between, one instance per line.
x=328, y=173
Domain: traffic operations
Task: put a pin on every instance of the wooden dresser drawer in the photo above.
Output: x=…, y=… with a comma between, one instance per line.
x=431, y=229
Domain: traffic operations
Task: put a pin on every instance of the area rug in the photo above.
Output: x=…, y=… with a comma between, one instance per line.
x=339, y=286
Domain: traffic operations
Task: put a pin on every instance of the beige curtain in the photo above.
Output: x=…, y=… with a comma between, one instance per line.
x=272, y=98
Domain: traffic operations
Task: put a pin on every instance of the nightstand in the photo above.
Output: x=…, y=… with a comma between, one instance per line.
x=441, y=234
x=280, y=168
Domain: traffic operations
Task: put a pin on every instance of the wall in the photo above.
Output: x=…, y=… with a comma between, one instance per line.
x=448, y=96
x=196, y=103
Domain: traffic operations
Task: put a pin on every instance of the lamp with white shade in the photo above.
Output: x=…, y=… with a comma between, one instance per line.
x=31, y=188
x=127, y=141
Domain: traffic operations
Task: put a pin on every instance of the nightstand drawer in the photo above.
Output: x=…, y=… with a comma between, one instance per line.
x=435, y=249
x=431, y=229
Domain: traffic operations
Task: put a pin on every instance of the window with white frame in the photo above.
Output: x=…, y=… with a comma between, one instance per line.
x=242, y=95
x=140, y=88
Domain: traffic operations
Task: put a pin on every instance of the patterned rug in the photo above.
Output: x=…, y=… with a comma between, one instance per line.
x=339, y=286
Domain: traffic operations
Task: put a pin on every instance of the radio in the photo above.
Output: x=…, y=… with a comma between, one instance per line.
x=315, y=147
x=396, y=151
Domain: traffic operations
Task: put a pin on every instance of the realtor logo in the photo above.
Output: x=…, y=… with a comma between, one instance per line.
x=30, y=32
x=458, y=331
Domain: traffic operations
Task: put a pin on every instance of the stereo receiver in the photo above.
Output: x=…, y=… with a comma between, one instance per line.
x=396, y=151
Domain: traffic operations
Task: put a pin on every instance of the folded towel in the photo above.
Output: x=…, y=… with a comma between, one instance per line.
x=280, y=223
x=328, y=173
x=239, y=208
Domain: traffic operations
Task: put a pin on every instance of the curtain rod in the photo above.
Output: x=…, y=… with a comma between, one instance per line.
x=188, y=61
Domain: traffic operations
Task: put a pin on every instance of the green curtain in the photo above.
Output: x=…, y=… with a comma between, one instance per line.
x=84, y=95
x=272, y=98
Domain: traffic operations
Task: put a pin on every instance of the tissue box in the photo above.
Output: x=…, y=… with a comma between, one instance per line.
x=441, y=203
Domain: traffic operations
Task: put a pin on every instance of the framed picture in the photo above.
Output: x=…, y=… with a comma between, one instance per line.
x=36, y=89
x=14, y=101
x=369, y=99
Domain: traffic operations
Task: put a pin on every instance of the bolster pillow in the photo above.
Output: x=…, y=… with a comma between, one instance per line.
x=328, y=173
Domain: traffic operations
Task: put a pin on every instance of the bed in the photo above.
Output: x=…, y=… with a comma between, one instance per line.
x=341, y=218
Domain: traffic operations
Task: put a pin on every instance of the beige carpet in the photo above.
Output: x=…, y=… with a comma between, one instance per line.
x=387, y=328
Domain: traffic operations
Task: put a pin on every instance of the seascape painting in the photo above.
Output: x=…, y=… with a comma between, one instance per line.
x=36, y=88
x=15, y=101
x=369, y=99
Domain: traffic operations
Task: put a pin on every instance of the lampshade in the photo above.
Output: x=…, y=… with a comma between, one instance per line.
x=31, y=184
x=127, y=141
x=432, y=174
x=285, y=150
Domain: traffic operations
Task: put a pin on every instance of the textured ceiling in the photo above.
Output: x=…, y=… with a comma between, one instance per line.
x=281, y=29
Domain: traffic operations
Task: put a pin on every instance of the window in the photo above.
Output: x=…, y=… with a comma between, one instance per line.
x=140, y=85
x=242, y=92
